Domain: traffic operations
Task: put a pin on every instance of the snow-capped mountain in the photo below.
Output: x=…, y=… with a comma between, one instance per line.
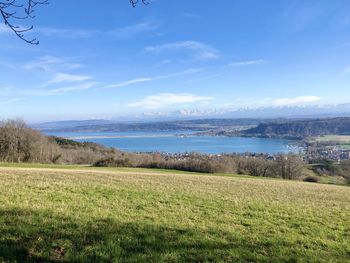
x=273, y=112
x=300, y=111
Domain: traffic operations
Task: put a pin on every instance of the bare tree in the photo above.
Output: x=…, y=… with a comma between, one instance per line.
x=288, y=166
x=12, y=11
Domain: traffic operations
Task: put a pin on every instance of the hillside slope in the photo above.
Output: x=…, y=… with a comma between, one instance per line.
x=301, y=128
x=139, y=215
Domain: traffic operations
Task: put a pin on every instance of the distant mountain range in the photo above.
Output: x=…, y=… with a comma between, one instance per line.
x=301, y=111
x=61, y=125
x=190, y=119
x=178, y=126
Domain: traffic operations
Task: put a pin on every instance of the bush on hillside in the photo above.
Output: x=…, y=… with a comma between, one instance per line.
x=113, y=162
x=311, y=179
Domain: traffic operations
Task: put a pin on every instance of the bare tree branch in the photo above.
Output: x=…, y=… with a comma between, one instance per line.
x=135, y=2
x=12, y=11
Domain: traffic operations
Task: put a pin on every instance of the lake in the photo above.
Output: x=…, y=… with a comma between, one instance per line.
x=172, y=143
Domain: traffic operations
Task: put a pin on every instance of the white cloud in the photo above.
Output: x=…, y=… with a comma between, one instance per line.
x=190, y=15
x=64, y=33
x=177, y=74
x=248, y=63
x=4, y=90
x=63, y=77
x=163, y=62
x=49, y=31
x=8, y=65
x=4, y=29
x=148, y=79
x=129, y=82
x=83, y=86
x=300, y=16
x=272, y=102
x=295, y=101
x=133, y=30
x=124, y=32
x=198, y=50
x=143, y=26
x=10, y=101
x=60, y=90
x=168, y=99
x=51, y=63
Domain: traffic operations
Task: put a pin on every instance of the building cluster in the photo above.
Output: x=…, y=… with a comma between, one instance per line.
x=334, y=153
x=308, y=154
x=176, y=156
x=188, y=155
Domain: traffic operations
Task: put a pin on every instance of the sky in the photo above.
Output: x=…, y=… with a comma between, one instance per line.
x=107, y=59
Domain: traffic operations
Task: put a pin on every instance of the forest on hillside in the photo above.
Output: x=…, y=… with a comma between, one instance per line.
x=113, y=126
x=300, y=129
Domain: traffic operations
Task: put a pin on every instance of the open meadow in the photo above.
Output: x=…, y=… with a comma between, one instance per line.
x=333, y=138
x=82, y=214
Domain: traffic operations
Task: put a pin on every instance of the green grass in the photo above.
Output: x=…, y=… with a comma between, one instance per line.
x=343, y=141
x=332, y=138
x=89, y=167
x=38, y=165
x=82, y=214
x=124, y=169
x=345, y=146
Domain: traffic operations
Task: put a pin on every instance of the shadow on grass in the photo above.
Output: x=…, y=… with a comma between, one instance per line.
x=32, y=236
x=41, y=236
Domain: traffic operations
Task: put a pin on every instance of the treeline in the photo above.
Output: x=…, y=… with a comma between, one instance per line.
x=19, y=143
x=330, y=168
x=300, y=129
x=282, y=166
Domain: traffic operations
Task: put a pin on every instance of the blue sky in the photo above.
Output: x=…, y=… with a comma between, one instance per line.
x=109, y=60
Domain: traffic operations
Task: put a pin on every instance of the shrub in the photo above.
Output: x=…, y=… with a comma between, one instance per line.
x=112, y=162
x=311, y=179
x=104, y=162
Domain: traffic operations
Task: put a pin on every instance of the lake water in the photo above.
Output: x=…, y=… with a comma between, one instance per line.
x=171, y=143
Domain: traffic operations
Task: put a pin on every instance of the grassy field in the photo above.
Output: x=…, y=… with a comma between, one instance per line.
x=342, y=141
x=82, y=214
x=332, y=138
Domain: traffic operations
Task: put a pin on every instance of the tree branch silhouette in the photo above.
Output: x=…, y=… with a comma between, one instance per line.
x=135, y=2
x=13, y=11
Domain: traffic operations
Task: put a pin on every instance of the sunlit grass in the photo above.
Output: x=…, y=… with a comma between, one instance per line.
x=332, y=138
x=139, y=215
